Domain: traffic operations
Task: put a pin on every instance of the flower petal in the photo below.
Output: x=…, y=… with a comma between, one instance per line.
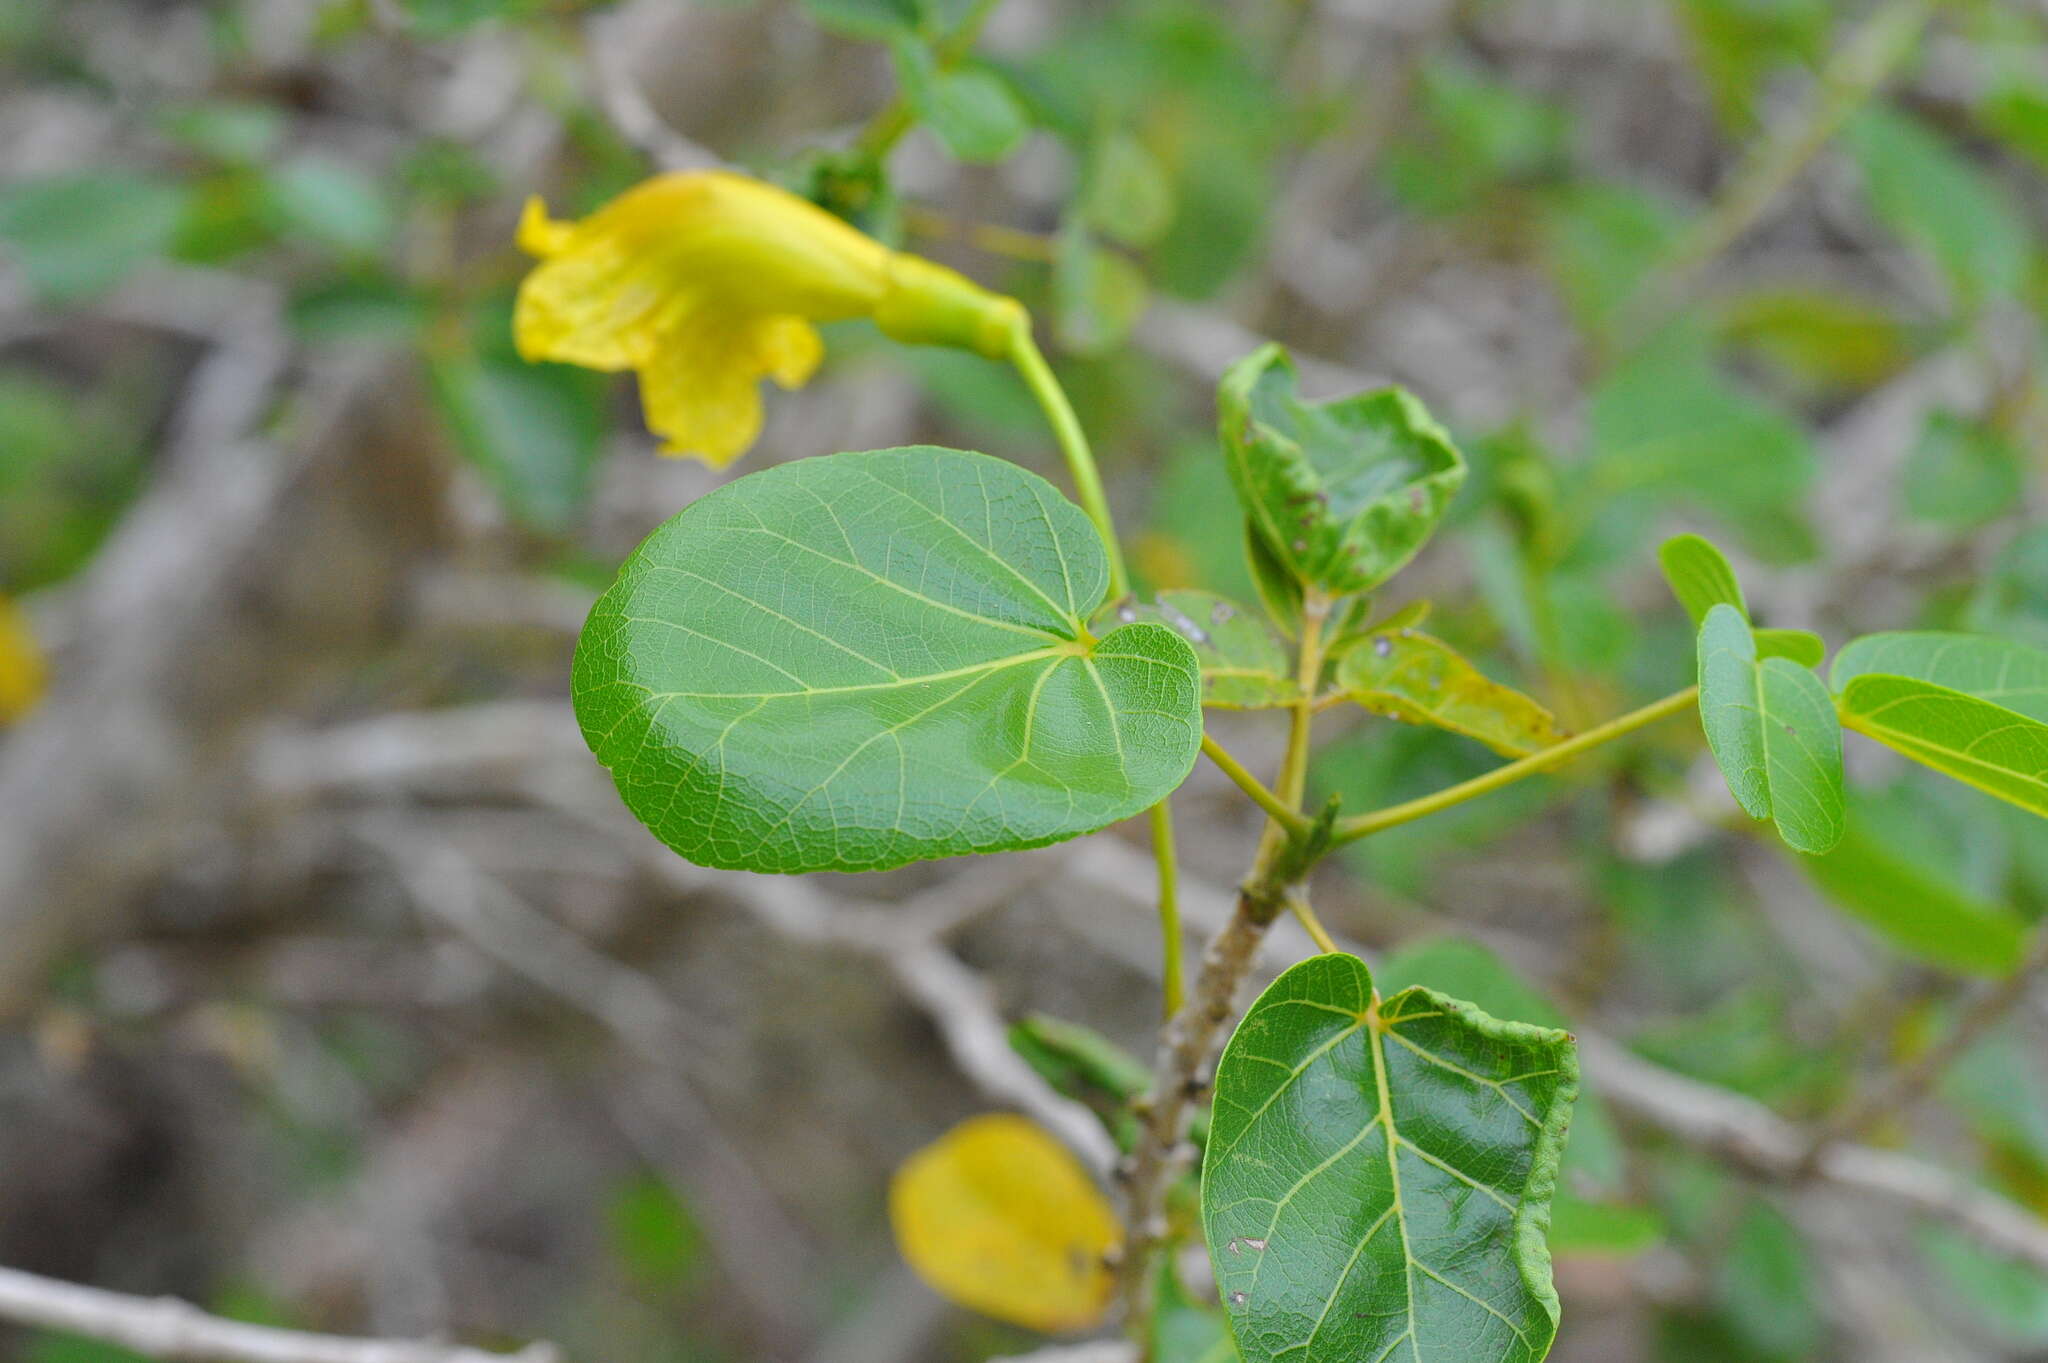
x=700, y=384
x=540, y=235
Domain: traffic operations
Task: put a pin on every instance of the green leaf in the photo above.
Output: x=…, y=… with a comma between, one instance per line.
x=533, y=431
x=1939, y=203
x=872, y=19
x=971, y=108
x=1245, y=664
x=1997, y=670
x=1097, y=294
x=1920, y=913
x=1700, y=576
x=1701, y=579
x=1080, y=1053
x=1345, y=492
x=1416, y=678
x=1999, y=751
x=1801, y=646
x=653, y=1235
x=1279, y=589
x=75, y=235
x=1960, y=473
x=331, y=202
x=1666, y=426
x=1380, y=1174
x=1129, y=196
x=1773, y=732
x=858, y=661
x=1467, y=970
x=1184, y=1330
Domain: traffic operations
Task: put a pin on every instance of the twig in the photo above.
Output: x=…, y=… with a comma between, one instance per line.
x=166, y=1328
x=1906, y=1086
x=1736, y=1130
x=1749, y=1136
x=1863, y=63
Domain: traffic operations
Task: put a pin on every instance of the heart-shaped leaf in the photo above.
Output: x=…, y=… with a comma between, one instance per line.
x=1773, y=731
x=1379, y=1174
x=1244, y=661
x=1416, y=678
x=1998, y=670
x=853, y=662
x=1344, y=492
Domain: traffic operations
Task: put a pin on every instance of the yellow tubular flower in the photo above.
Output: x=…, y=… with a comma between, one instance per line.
x=707, y=281
x=21, y=664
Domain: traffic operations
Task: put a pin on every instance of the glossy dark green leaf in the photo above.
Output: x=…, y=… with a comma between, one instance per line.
x=1342, y=492
x=1467, y=970
x=1416, y=678
x=1245, y=662
x=1378, y=1178
x=2001, y=671
x=857, y=661
x=1772, y=728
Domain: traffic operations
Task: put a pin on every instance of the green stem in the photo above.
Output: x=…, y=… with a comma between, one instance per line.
x=1172, y=992
x=1352, y=829
x=1298, y=905
x=1073, y=443
x=1290, y=819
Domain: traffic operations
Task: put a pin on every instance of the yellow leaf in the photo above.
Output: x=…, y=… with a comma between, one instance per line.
x=21, y=664
x=996, y=1215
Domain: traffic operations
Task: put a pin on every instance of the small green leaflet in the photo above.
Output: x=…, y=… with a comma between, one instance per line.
x=1699, y=576
x=1801, y=646
x=857, y=661
x=1416, y=678
x=1344, y=492
x=1773, y=731
x=1244, y=661
x=2005, y=673
x=1701, y=579
x=1999, y=751
x=1378, y=1178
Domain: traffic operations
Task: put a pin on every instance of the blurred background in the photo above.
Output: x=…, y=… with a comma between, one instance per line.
x=338, y=991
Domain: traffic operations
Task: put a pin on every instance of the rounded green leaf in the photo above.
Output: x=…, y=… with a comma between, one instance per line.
x=1343, y=493
x=862, y=660
x=1378, y=1178
x=1772, y=729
